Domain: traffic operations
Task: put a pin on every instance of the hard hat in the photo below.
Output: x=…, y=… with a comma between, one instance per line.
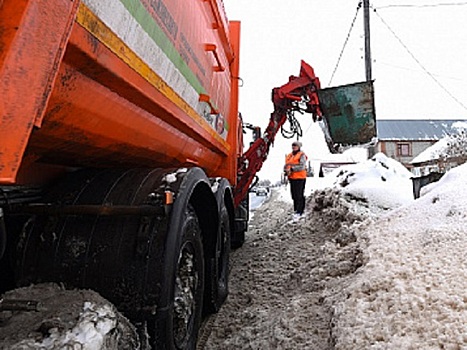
x=297, y=143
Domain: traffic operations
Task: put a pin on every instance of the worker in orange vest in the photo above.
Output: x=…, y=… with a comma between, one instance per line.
x=295, y=169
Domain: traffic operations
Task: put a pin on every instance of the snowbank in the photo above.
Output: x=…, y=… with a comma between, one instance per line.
x=382, y=181
x=412, y=293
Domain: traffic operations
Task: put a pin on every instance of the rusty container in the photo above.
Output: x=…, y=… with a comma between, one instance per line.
x=348, y=114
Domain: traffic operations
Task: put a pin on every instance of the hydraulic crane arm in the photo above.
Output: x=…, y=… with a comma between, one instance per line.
x=299, y=94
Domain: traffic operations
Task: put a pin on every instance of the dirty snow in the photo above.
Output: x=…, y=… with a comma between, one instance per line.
x=412, y=292
x=172, y=177
x=367, y=268
x=215, y=184
x=66, y=319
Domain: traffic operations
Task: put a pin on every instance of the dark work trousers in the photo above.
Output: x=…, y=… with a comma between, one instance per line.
x=297, y=188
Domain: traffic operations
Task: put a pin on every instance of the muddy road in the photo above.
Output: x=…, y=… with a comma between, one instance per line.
x=286, y=278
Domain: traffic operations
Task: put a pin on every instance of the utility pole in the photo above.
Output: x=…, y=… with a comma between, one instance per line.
x=366, y=19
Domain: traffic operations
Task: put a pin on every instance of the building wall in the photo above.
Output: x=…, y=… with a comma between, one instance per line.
x=390, y=149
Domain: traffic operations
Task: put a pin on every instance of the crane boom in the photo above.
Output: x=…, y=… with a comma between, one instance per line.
x=299, y=94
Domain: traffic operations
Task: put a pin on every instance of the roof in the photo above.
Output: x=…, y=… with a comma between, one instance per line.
x=417, y=130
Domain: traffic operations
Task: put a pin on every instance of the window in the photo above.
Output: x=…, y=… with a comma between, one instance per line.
x=403, y=150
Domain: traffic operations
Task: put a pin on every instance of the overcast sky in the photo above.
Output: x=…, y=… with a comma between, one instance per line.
x=419, y=53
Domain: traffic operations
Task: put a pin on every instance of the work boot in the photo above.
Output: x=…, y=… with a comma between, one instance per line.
x=296, y=216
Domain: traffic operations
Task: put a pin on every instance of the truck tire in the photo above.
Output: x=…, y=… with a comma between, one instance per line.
x=241, y=223
x=179, y=328
x=238, y=239
x=218, y=270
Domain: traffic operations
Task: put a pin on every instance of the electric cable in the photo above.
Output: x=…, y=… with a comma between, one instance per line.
x=419, y=63
x=463, y=3
x=417, y=70
x=345, y=42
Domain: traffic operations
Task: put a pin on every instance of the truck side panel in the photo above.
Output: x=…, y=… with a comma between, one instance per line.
x=28, y=67
x=135, y=88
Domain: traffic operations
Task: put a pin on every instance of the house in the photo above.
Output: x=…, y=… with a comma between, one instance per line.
x=403, y=139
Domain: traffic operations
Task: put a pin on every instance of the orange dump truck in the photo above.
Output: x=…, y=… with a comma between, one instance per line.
x=121, y=159
x=119, y=123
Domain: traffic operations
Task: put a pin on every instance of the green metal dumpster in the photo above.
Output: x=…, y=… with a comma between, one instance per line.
x=348, y=115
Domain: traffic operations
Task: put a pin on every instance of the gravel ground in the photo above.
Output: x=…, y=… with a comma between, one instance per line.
x=288, y=275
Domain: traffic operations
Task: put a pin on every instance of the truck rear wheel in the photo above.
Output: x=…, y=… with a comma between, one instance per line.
x=241, y=223
x=224, y=257
x=218, y=270
x=178, y=329
x=150, y=267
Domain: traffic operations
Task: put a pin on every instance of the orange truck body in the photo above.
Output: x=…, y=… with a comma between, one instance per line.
x=117, y=83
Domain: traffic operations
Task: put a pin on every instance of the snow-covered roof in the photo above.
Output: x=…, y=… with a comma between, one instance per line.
x=433, y=152
x=417, y=130
x=452, y=147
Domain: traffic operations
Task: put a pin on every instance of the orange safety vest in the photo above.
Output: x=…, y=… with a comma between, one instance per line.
x=294, y=159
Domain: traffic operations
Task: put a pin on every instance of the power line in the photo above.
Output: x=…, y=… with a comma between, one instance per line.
x=463, y=3
x=419, y=63
x=345, y=42
x=417, y=70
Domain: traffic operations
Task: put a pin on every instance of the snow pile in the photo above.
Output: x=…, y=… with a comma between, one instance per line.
x=172, y=177
x=381, y=181
x=412, y=292
x=91, y=328
x=67, y=319
x=370, y=187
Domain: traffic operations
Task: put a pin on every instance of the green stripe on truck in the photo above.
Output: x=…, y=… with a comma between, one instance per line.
x=149, y=25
